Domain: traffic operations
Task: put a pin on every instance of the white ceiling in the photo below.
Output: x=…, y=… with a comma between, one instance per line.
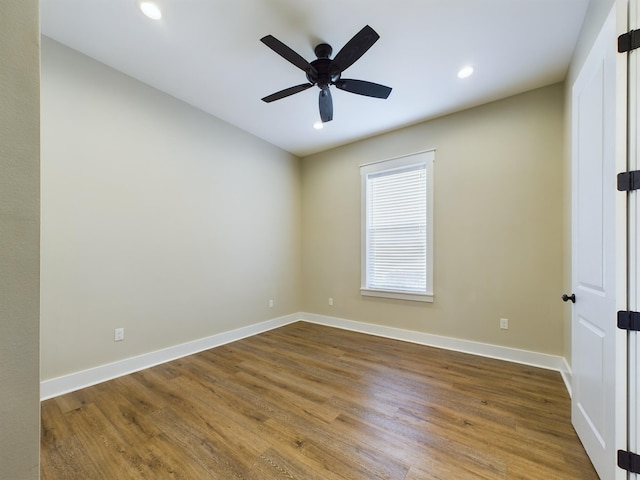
x=208, y=53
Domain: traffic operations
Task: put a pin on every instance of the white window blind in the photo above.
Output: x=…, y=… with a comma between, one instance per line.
x=396, y=228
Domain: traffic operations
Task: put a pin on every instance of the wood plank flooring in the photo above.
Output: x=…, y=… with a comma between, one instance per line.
x=311, y=402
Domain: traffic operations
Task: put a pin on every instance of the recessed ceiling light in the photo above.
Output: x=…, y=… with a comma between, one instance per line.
x=151, y=10
x=318, y=125
x=465, y=71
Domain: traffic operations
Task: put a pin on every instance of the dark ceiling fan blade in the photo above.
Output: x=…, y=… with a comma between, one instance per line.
x=361, y=87
x=355, y=48
x=287, y=53
x=326, y=105
x=286, y=92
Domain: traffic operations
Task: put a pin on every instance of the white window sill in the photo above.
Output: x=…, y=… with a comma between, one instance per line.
x=416, y=297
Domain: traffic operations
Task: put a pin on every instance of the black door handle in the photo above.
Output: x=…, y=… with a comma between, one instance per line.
x=566, y=298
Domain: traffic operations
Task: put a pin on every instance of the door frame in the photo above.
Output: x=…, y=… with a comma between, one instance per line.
x=631, y=90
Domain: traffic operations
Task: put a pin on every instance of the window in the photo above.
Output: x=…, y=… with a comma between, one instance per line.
x=397, y=228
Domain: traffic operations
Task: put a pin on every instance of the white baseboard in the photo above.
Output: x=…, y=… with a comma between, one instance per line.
x=566, y=375
x=526, y=357
x=85, y=378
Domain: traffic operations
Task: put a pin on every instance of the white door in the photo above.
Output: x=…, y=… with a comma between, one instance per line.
x=594, y=270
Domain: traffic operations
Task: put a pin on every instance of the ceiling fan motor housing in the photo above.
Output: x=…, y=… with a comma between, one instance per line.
x=324, y=73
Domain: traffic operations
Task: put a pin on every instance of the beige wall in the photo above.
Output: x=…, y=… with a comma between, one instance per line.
x=19, y=239
x=175, y=225
x=498, y=225
x=156, y=217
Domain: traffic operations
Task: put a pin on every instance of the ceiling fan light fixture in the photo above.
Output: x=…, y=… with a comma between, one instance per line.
x=465, y=71
x=151, y=10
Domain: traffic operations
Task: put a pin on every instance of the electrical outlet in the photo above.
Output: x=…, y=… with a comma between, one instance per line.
x=504, y=323
x=119, y=335
x=270, y=303
x=331, y=301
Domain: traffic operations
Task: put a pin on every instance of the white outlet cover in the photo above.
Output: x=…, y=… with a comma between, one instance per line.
x=119, y=334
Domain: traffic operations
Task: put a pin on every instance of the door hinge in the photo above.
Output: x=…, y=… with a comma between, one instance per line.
x=629, y=41
x=629, y=320
x=629, y=461
x=629, y=181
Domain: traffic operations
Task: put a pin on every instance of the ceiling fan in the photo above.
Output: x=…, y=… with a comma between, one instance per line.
x=325, y=72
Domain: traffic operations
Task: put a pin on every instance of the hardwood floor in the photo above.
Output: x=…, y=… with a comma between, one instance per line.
x=311, y=402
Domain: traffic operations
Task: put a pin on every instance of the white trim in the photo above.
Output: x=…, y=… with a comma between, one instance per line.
x=566, y=375
x=398, y=157
x=92, y=376
x=525, y=357
x=86, y=378
x=416, y=297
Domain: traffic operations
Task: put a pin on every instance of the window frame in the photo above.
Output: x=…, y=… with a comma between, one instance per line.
x=427, y=158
